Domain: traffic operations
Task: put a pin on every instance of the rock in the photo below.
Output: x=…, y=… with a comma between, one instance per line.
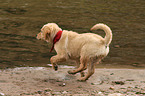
x=81, y=95
x=64, y=92
x=116, y=94
x=62, y=84
x=116, y=46
x=48, y=94
x=2, y=94
x=35, y=95
x=143, y=93
x=129, y=87
x=47, y=89
x=56, y=93
x=112, y=74
x=112, y=88
x=98, y=82
x=39, y=92
x=118, y=82
x=100, y=94
x=92, y=84
x=130, y=80
x=142, y=81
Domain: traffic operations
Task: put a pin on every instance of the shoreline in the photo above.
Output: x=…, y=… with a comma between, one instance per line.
x=42, y=81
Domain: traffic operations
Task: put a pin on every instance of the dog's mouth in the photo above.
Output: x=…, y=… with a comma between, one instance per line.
x=39, y=36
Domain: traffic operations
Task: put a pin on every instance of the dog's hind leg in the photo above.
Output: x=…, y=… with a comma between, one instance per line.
x=82, y=66
x=91, y=68
x=82, y=73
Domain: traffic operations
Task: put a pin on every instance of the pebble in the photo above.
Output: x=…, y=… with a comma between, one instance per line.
x=116, y=46
x=62, y=84
x=36, y=95
x=64, y=92
x=56, y=93
x=39, y=92
x=112, y=74
x=118, y=82
x=112, y=88
x=47, y=89
x=130, y=80
x=100, y=94
x=116, y=94
x=99, y=82
x=48, y=94
x=81, y=95
x=2, y=94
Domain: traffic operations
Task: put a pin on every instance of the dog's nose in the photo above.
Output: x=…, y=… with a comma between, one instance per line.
x=37, y=37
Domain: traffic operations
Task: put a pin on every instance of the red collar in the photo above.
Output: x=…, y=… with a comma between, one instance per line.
x=56, y=39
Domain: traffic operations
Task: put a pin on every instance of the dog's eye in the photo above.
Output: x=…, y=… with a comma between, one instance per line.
x=48, y=34
x=42, y=32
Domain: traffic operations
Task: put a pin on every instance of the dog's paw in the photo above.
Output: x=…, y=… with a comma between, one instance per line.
x=82, y=79
x=82, y=74
x=55, y=67
x=71, y=72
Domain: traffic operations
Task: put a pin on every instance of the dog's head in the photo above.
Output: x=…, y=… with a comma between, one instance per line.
x=48, y=32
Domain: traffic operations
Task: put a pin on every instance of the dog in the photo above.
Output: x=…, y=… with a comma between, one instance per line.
x=87, y=49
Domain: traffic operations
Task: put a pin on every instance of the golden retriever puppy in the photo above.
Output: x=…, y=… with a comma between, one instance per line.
x=86, y=49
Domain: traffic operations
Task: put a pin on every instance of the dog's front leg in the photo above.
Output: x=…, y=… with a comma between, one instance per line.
x=55, y=59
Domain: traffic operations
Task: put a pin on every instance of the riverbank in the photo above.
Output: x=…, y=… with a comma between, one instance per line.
x=43, y=81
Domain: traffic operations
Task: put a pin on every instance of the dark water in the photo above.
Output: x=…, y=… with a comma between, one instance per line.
x=21, y=20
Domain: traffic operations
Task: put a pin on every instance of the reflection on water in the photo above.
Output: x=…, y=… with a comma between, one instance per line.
x=20, y=21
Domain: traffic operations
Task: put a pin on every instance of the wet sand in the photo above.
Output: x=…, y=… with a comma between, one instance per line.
x=43, y=81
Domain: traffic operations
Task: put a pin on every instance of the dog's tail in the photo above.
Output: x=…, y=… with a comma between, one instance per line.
x=108, y=37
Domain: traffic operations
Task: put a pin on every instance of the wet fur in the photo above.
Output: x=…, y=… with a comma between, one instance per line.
x=86, y=49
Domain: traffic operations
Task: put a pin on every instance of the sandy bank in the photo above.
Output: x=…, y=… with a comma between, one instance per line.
x=46, y=82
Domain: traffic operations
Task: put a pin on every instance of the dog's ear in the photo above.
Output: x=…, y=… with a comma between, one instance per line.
x=47, y=34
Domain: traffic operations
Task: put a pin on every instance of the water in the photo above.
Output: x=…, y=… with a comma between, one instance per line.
x=21, y=20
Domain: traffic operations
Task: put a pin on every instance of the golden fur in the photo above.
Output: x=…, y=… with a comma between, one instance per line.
x=85, y=49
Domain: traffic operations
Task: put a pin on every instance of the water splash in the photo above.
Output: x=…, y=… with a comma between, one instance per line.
x=62, y=66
